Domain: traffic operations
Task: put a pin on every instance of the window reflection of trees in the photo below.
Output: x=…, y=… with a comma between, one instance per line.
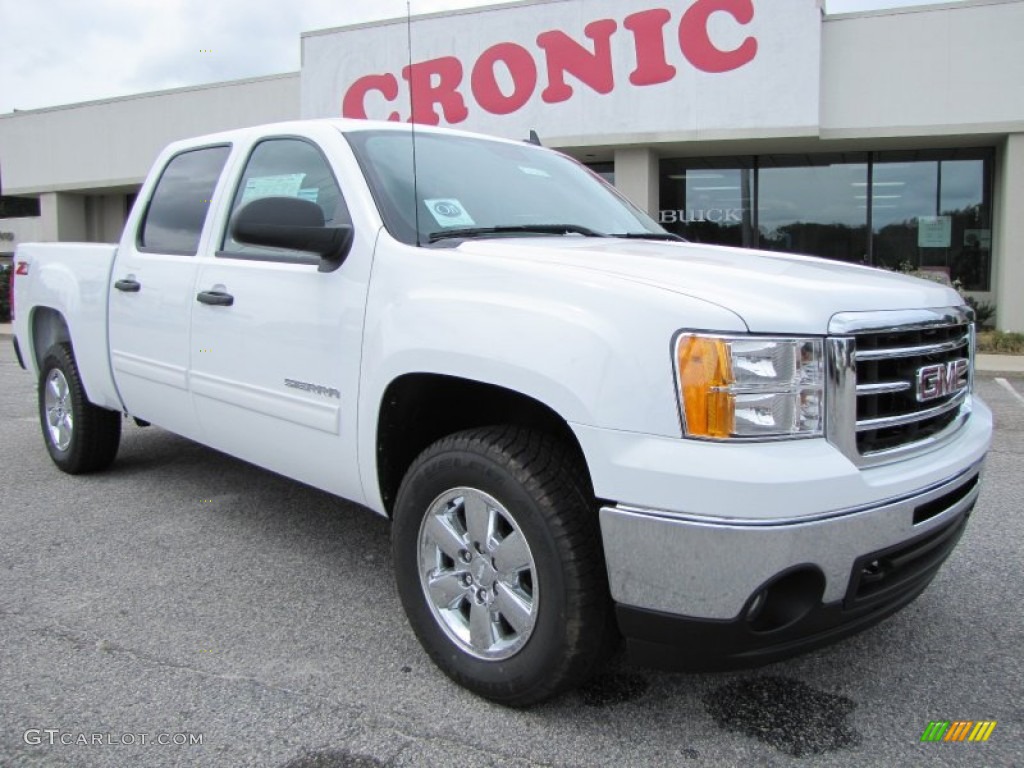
x=967, y=261
x=715, y=233
x=832, y=241
x=855, y=207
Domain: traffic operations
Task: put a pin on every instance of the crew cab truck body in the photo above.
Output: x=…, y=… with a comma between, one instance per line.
x=579, y=426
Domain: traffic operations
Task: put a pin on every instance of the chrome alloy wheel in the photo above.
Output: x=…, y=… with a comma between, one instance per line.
x=478, y=574
x=59, y=415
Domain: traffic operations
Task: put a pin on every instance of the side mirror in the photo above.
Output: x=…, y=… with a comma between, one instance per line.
x=293, y=223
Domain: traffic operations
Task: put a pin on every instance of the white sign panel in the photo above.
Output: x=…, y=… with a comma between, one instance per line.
x=584, y=70
x=934, y=231
x=287, y=185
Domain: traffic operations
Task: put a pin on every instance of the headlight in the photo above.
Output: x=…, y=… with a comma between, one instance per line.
x=750, y=387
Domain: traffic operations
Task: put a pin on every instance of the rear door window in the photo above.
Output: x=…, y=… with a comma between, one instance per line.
x=177, y=211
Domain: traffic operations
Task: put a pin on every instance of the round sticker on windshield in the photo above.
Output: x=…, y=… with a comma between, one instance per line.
x=447, y=210
x=449, y=213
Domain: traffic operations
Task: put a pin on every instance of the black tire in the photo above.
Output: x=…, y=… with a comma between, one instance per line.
x=537, y=479
x=95, y=433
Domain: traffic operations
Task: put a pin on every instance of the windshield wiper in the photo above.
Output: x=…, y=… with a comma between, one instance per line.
x=668, y=236
x=533, y=229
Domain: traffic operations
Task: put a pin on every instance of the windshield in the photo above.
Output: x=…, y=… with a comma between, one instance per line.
x=471, y=187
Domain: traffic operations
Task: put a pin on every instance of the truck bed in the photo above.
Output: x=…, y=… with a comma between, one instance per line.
x=73, y=279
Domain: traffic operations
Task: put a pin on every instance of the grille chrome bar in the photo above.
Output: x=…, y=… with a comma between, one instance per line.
x=910, y=418
x=926, y=349
x=897, y=321
x=887, y=455
x=841, y=396
x=884, y=388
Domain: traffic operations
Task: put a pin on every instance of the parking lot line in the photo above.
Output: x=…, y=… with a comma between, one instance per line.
x=1009, y=388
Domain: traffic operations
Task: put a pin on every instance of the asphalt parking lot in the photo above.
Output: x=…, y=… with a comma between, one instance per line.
x=186, y=596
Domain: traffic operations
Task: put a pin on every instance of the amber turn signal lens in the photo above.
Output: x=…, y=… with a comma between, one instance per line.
x=705, y=374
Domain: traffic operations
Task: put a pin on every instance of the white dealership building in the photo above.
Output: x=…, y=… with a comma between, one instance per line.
x=888, y=138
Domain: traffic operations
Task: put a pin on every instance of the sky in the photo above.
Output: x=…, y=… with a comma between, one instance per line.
x=55, y=52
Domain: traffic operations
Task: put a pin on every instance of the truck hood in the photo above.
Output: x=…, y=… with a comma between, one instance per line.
x=771, y=292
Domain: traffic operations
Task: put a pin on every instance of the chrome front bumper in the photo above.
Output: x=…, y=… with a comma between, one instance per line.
x=697, y=567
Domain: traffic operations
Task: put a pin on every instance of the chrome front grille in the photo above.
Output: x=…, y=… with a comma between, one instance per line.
x=898, y=382
x=889, y=413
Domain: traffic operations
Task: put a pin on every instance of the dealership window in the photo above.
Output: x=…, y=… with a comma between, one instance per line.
x=922, y=209
x=605, y=170
x=709, y=200
x=902, y=193
x=815, y=204
x=933, y=210
x=19, y=207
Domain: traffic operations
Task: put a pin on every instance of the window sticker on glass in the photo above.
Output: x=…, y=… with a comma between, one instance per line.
x=534, y=171
x=449, y=213
x=309, y=193
x=285, y=185
x=934, y=231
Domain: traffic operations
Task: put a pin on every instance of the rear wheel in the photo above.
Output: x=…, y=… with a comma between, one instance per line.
x=499, y=565
x=80, y=437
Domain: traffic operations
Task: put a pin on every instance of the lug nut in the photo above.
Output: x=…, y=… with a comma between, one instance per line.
x=464, y=556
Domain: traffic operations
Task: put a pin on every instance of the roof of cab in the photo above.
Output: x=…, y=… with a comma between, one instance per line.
x=344, y=125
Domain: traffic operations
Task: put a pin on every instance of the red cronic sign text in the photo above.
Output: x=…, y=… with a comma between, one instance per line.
x=441, y=87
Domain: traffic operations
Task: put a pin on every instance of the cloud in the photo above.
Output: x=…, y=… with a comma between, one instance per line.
x=66, y=51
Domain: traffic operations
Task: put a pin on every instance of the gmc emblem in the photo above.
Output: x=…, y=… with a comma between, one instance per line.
x=934, y=381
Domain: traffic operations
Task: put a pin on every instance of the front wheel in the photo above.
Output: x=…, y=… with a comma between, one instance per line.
x=498, y=562
x=80, y=437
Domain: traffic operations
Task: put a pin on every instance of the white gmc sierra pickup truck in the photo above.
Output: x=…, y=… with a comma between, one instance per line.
x=581, y=427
